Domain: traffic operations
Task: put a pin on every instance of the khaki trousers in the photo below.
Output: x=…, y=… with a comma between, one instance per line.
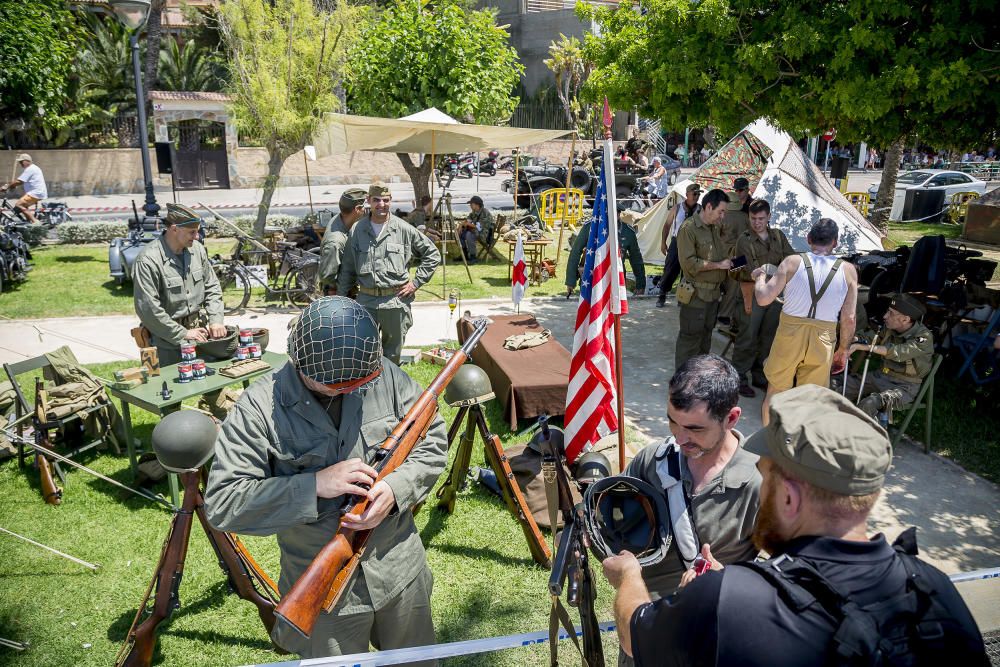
x=802, y=353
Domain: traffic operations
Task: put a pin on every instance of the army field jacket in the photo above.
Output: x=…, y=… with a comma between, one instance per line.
x=169, y=287
x=383, y=262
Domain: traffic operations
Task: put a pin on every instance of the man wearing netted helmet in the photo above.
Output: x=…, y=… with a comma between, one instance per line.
x=296, y=446
x=376, y=260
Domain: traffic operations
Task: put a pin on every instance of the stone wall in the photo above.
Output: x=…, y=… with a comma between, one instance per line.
x=101, y=171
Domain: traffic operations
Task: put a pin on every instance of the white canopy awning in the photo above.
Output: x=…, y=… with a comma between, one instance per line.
x=429, y=131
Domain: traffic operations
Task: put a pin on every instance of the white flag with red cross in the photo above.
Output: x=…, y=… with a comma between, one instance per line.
x=519, y=274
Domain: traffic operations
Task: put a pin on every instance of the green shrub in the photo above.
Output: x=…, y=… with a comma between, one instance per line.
x=33, y=234
x=92, y=231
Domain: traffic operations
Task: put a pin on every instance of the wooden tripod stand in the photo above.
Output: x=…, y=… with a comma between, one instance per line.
x=474, y=420
x=242, y=572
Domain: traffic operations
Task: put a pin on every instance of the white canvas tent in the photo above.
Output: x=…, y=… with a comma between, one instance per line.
x=429, y=131
x=781, y=173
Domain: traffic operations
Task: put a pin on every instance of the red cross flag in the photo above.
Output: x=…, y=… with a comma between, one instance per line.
x=519, y=279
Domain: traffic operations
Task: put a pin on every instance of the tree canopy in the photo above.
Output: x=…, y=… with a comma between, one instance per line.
x=877, y=70
x=412, y=57
x=40, y=42
x=286, y=60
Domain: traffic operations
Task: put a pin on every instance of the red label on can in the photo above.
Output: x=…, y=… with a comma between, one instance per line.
x=184, y=373
x=187, y=351
x=246, y=336
x=242, y=353
x=254, y=350
x=198, y=369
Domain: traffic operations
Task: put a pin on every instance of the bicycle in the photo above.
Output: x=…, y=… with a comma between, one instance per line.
x=295, y=271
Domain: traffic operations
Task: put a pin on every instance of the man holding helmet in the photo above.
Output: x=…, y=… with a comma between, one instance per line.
x=710, y=483
x=295, y=448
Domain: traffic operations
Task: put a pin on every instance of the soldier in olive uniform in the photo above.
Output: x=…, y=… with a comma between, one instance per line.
x=704, y=263
x=627, y=241
x=734, y=224
x=376, y=258
x=177, y=294
x=352, y=207
x=478, y=225
x=295, y=448
x=907, y=356
x=760, y=245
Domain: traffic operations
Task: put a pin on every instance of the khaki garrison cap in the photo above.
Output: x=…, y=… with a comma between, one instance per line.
x=822, y=438
x=379, y=190
x=353, y=198
x=178, y=214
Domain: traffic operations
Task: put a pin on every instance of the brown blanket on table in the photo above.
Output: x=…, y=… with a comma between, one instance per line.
x=528, y=382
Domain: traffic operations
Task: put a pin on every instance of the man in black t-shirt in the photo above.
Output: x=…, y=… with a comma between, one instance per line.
x=828, y=592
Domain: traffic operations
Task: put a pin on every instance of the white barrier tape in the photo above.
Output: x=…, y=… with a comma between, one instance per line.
x=471, y=646
x=433, y=652
x=975, y=575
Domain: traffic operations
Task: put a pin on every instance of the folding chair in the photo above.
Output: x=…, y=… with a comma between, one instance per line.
x=924, y=399
x=971, y=346
x=489, y=249
x=63, y=427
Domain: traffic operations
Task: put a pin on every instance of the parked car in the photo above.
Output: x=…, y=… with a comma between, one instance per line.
x=929, y=179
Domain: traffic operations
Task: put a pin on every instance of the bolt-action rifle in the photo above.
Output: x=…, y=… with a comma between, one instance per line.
x=325, y=580
x=571, y=566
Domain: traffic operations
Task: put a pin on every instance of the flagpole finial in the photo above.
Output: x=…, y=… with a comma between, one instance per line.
x=607, y=118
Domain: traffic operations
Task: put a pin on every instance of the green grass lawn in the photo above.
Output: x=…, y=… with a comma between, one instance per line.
x=485, y=581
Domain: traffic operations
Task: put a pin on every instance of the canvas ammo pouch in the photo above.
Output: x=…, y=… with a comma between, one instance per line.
x=526, y=340
x=685, y=291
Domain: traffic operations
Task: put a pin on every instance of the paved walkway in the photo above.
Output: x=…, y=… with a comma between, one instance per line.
x=956, y=512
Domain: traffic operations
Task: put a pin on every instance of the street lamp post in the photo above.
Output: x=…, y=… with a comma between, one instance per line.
x=132, y=14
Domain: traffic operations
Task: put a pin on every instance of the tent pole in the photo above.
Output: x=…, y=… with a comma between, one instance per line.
x=569, y=174
x=305, y=160
x=444, y=236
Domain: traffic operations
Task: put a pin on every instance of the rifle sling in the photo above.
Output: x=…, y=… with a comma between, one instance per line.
x=557, y=613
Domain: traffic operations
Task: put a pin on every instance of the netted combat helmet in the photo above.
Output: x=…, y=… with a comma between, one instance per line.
x=184, y=440
x=470, y=386
x=627, y=513
x=336, y=342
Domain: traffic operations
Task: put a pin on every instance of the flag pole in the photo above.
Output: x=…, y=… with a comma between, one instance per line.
x=616, y=312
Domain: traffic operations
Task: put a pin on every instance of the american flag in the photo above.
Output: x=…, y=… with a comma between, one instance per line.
x=591, y=398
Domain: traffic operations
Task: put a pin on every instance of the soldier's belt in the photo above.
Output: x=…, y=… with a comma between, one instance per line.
x=900, y=377
x=704, y=285
x=380, y=291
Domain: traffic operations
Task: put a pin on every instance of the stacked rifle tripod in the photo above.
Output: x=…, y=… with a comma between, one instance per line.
x=468, y=391
x=183, y=442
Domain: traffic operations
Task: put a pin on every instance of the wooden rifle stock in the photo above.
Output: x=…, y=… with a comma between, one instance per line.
x=325, y=580
x=513, y=496
x=50, y=492
x=141, y=640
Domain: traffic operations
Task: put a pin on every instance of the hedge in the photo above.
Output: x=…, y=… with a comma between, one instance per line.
x=102, y=231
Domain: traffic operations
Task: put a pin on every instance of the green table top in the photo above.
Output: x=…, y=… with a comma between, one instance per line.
x=148, y=396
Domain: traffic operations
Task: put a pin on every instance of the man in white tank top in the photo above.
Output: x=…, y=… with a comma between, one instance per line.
x=820, y=292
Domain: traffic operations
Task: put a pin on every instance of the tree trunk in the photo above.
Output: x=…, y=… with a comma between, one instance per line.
x=887, y=188
x=275, y=160
x=420, y=176
x=153, y=33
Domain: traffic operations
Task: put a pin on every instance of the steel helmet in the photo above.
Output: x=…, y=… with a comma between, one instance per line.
x=591, y=467
x=337, y=343
x=626, y=513
x=184, y=440
x=219, y=349
x=470, y=386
